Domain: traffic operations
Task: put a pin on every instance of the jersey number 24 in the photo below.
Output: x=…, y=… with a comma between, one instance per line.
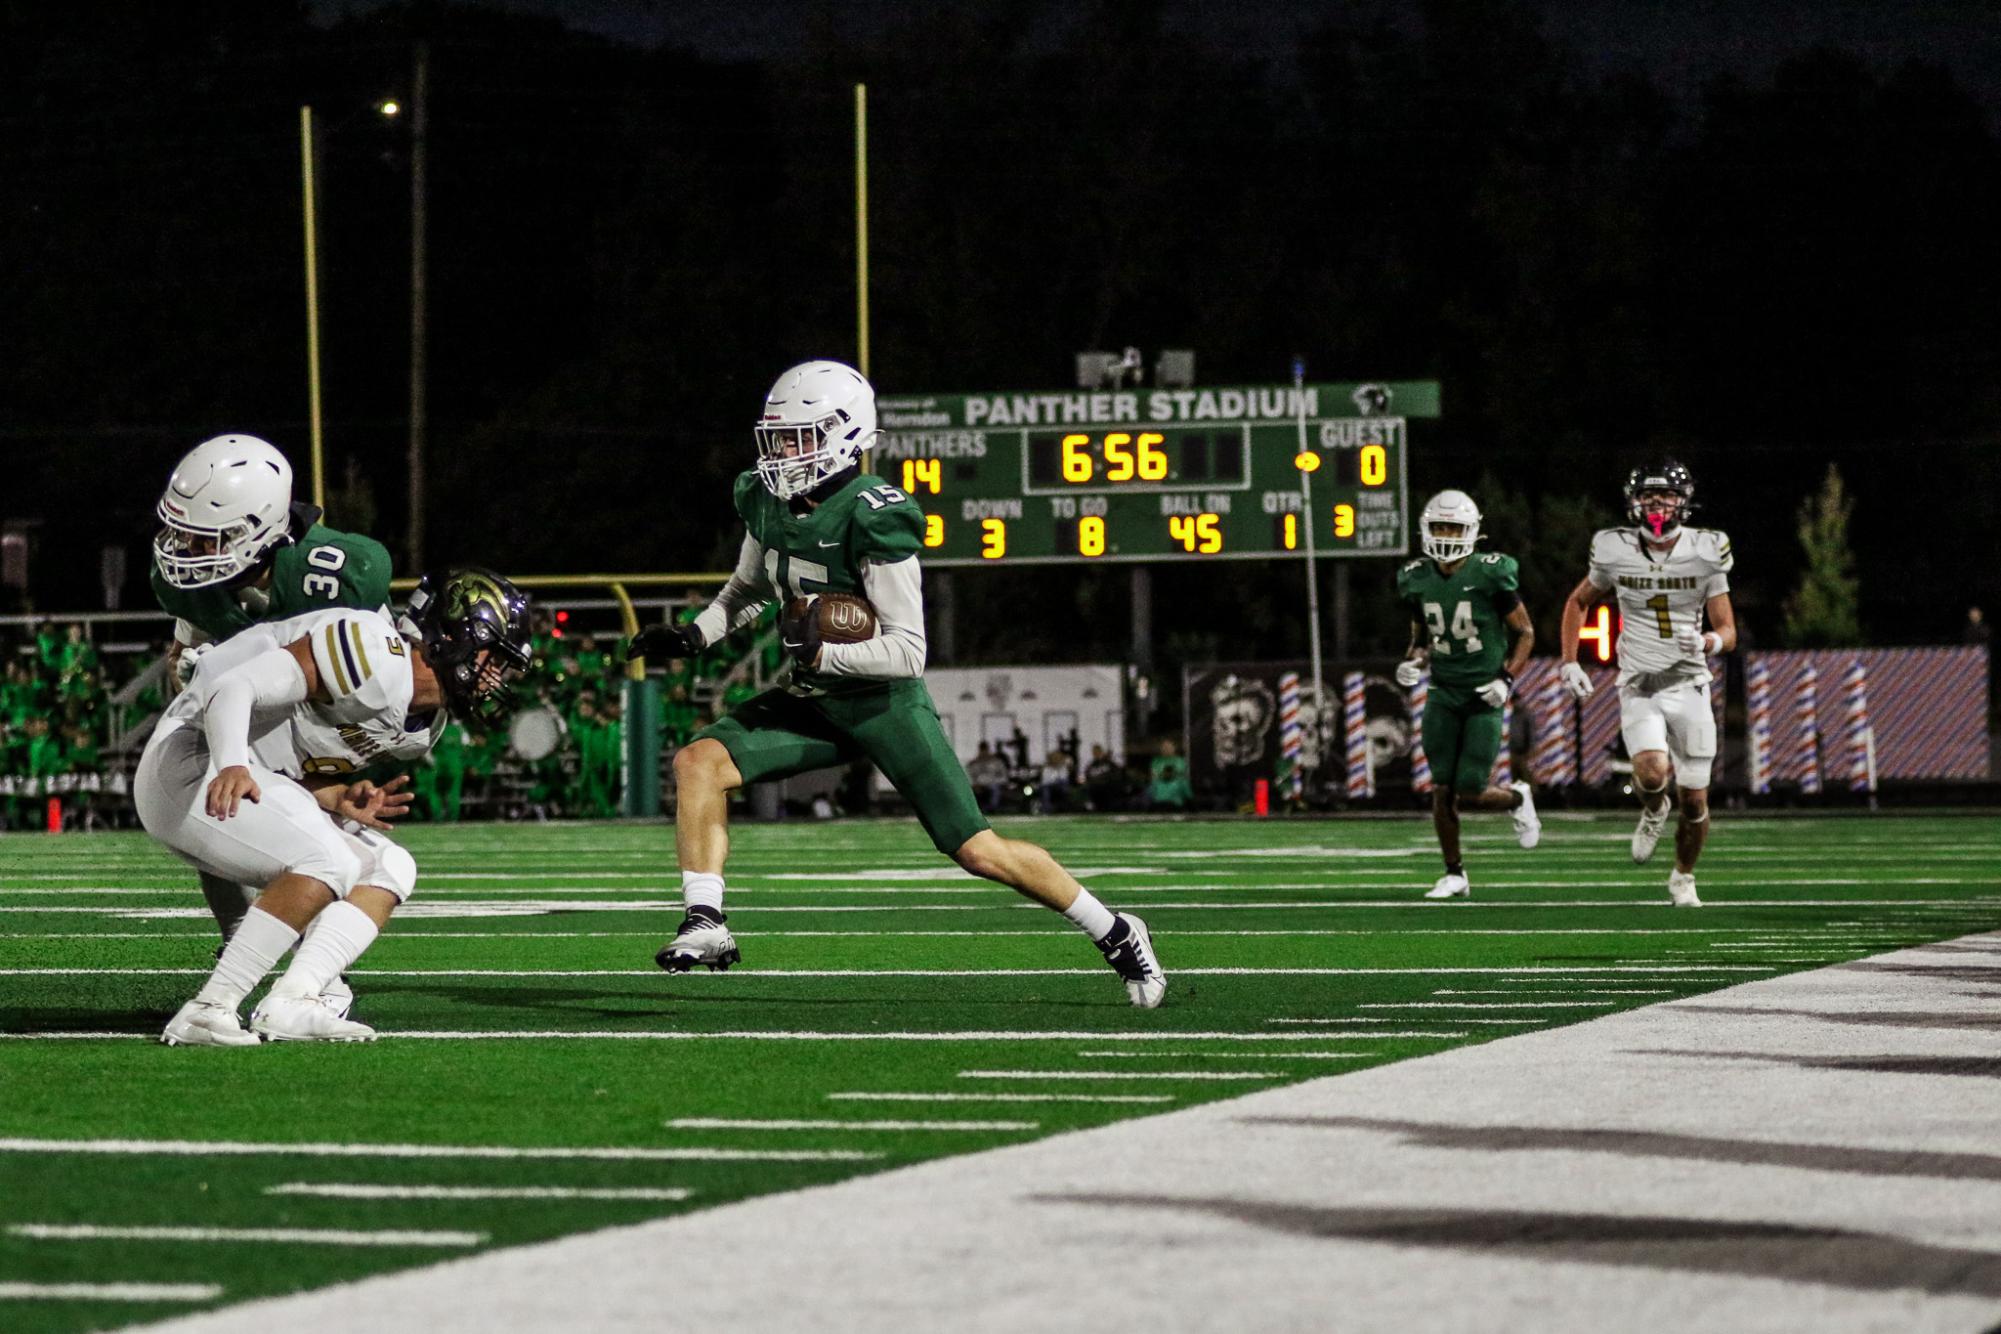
x=1462, y=630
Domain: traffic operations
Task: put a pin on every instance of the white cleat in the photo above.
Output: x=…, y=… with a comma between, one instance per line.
x=1133, y=959
x=338, y=997
x=202, y=1023
x=305, y=1019
x=1528, y=825
x=1681, y=889
x=702, y=941
x=1450, y=886
x=1648, y=835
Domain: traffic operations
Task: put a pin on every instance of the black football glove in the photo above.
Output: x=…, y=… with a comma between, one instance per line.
x=660, y=642
x=800, y=632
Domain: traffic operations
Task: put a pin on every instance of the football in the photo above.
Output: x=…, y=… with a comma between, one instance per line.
x=844, y=618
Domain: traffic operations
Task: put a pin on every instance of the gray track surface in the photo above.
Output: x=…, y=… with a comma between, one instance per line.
x=1820, y=1151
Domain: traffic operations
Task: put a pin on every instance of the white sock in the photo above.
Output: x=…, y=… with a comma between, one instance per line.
x=1091, y=917
x=333, y=941
x=259, y=942
x=702, y=889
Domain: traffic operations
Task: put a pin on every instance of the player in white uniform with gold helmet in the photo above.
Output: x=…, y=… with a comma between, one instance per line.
x=246, y=779
x=1670, y=579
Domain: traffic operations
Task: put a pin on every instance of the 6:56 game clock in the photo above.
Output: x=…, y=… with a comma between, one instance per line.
x=1082, y=476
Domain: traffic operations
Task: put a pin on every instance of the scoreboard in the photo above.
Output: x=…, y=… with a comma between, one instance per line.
x=1082, y=476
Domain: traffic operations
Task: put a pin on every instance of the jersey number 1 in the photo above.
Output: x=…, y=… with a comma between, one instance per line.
x=324, y=585
x=1658, y=605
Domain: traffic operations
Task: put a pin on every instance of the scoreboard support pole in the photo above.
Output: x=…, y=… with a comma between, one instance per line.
x=943, y=615
x=1341, y=611
x=1142, y=637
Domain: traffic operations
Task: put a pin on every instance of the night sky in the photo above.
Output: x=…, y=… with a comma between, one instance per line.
x=1761, y=236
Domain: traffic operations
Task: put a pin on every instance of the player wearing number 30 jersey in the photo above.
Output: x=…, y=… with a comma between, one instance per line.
x=233, y=551
x=1669, y=578
x=1468, y=622
x=816, y=523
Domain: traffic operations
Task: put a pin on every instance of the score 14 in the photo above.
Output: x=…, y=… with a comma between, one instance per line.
x=921, y=475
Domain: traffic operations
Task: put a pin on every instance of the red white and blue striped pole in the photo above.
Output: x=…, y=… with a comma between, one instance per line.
x=1806, y=753
x=1355, y=720
x=1420, y=767
x=1555, y=759
x=1861, y=774
x=1291, y=738
x=1758, y=707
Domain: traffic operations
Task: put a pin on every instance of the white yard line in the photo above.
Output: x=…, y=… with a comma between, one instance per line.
x=182, y=1148
x=728, y=1123
x=1235, y=1055
x=779, y=1035
x=1489, y=1005
x=722, y=979
x=1118, y=1074
x=358, y=1191
x=304, y=1235
x=1002, y=1097
x=110, y=1292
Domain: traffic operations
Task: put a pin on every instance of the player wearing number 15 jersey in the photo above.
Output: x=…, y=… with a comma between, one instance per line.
x=1468, y=622
x=818, y=524
x=1669, y=577
x=233, y=551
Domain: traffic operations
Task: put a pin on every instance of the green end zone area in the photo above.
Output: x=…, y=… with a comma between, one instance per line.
x=537, y=1075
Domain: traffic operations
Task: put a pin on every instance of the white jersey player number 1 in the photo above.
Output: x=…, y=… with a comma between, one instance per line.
x=1662, y=596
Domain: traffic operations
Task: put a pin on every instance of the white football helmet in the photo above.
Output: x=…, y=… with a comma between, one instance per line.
x=226, y=506
x=1449, y=526
x=817, y=420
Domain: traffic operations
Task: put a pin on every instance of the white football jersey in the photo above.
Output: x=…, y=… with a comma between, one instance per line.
x=1661, y=593
x=363, y=663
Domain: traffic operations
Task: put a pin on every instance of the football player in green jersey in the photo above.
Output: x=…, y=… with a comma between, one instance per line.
x=234, y=551
x=1468, y=622
x=817, y=523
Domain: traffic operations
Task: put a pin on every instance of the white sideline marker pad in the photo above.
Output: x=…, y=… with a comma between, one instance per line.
x=187, y=1148
x=311, y=1236
x=358, y=1191
x=110, y=1292
x=724, y=1123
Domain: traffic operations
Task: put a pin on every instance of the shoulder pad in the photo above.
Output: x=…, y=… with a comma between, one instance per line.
x=743, y=495
x=887, y=530
x=368, y=568
x=1713, y=545
x=362, y=660
x=1610, y=542
x=1501, y=569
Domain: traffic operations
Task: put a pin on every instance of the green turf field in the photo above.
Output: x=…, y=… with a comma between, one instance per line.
x=888, y=1009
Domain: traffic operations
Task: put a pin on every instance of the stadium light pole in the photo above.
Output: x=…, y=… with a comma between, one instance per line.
x=309, y=184
x=420, y=79
x=1312, y=551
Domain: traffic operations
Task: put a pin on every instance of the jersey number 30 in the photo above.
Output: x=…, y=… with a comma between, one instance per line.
x=1462, y=630
x=324, y=585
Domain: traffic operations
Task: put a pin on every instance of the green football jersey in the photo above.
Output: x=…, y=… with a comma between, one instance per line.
x=866, y=522
x=325, y=568
x=1468, y=632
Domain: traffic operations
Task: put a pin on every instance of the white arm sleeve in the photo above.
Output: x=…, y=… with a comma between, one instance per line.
x=269, y=681
x=186, y=633
x=898, y=649
x=741, y=599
